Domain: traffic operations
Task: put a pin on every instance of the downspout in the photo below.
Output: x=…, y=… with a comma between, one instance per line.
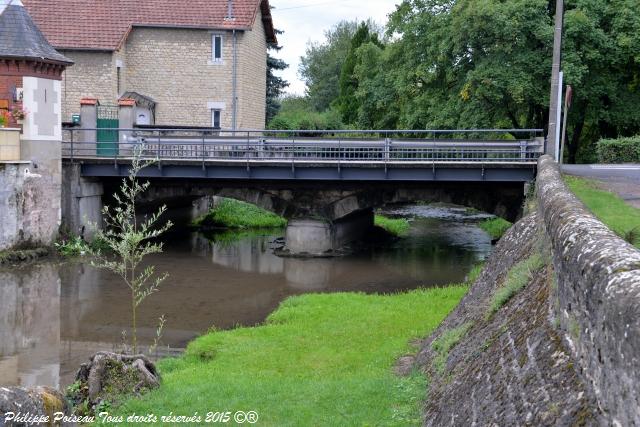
x=235, y=82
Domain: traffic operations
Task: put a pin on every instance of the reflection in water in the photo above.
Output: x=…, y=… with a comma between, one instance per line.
x=55, y=316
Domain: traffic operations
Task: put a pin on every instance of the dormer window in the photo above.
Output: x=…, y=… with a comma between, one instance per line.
x=216, y=44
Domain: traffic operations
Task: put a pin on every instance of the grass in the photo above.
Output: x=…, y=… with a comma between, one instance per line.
x=444, y=343
x=611, y=209
x=517, y=278
x=235, y=214
x=495, y=227
x=397, y=226
x=475, y=272
x=319, y=360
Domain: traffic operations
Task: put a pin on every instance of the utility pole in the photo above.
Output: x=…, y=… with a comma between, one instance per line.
x=554, y=106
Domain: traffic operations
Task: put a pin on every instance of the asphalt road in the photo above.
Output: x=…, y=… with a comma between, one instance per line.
x=621, y=179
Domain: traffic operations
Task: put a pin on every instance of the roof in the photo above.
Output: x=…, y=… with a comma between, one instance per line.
x=21, y=38
x=141, y=100
x=105, y=24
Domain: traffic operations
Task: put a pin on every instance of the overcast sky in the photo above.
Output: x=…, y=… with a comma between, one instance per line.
x=304, y=20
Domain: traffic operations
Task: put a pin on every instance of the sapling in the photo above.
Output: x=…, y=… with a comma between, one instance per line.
x=130, y=240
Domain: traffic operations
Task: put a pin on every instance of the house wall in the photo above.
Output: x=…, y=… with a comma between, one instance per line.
x=184, y=80
x=174, y=67
x=252, y=77
x=92, y=76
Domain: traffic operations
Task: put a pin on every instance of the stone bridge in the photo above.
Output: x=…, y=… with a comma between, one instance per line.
x=326, y=184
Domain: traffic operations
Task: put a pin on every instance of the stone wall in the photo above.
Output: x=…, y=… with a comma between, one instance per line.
x=92, y=76
x=30, y=206
x=597, y=298
x=252, y=77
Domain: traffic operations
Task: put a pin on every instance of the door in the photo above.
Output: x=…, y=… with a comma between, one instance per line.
x=107, y=144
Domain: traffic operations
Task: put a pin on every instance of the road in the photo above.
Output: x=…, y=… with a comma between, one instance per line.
x=621, y=179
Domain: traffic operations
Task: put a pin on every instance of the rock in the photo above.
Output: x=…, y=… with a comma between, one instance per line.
x=31, y=402
x=110, y=376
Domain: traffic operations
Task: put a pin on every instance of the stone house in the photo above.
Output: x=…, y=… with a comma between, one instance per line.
x=192, y=63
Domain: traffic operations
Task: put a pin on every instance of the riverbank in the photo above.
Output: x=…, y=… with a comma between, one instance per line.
x=318, y=360
x=16, y=257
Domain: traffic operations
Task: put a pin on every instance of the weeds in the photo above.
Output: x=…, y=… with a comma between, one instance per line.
x=495, y=227
x=445, y=342
x=517, y=278
x=397, y=226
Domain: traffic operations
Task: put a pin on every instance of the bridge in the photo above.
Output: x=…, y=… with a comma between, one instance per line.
x=326, y=182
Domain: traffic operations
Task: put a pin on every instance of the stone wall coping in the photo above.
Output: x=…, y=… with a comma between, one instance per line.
x=10, y=129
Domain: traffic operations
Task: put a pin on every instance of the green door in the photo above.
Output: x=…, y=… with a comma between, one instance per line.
x=108, y=139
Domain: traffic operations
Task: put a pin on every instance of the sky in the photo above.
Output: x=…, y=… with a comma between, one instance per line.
x=307, y=20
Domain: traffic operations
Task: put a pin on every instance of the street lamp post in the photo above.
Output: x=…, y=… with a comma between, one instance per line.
x=554, y=106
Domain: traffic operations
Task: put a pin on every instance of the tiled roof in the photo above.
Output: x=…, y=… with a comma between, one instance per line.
x=105, y=24
x=21, y=38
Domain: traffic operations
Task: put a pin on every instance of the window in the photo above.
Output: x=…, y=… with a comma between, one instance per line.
x=216, y=48
x=215, y=118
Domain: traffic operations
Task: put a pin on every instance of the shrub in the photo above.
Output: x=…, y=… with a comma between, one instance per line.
x=622, y=150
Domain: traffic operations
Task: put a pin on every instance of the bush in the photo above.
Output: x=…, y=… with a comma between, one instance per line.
x=621, y=150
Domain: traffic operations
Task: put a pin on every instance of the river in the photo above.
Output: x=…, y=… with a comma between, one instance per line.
x=54, y=315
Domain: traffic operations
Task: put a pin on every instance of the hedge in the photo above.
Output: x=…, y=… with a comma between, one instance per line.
x=621, y=150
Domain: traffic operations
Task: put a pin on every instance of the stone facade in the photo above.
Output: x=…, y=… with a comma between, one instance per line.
x=174, y=67
x=597, y=299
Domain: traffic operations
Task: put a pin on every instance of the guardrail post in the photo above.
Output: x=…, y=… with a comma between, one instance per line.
x=523, y=150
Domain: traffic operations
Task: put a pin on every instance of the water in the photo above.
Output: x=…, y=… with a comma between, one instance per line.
x=54, y=315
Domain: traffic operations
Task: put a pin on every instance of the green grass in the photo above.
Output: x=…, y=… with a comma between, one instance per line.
x=444, y=343
x=612, y=210
x=239, y=215
x=475, y=272
x=397, y=226
x=495, y=227
x=319, y=360
x=517, y=278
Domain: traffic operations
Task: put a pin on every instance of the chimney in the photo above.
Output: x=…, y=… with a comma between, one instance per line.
x=229, y=11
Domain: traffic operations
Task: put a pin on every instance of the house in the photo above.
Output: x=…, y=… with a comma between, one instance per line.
x=30, y=146
x=185, y=63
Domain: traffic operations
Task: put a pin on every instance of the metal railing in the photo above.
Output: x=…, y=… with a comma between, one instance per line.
x=311, y=146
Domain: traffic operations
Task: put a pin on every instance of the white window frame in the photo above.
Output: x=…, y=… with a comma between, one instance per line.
x=214, y=37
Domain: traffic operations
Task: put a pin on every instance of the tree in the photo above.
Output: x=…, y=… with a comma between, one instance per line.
x=131, y=241
x=347, y=103
x=471, y=64
x=321, y=66
x=275, y=84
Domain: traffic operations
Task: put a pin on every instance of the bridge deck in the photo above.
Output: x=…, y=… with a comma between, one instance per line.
x=259, y=157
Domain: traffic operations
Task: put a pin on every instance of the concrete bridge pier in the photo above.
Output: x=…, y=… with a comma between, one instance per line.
x=81, y=203
x=316, y=237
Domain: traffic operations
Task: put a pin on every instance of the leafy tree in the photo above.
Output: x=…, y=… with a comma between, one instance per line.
x=321, y=66
x=131, y=241
x=275, y=84
x=347, y=103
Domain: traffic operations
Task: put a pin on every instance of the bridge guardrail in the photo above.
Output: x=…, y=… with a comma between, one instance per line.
x=427, y=146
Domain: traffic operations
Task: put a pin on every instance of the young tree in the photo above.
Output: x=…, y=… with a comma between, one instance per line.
x=131, y=241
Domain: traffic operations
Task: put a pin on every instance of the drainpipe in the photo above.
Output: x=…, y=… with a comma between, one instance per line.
x=235, y=81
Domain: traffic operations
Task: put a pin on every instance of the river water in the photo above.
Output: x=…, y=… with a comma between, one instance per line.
x=54, y=315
